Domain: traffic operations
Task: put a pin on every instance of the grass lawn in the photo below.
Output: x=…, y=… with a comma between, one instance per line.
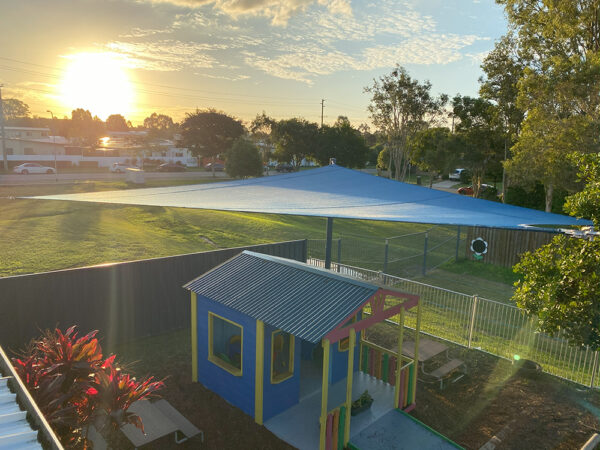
x=41, y=235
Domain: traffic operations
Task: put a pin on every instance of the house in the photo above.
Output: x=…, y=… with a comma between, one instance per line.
x=23, y=142
x=283, y=341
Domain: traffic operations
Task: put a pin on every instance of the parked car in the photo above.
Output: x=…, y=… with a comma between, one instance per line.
x=468, y=190
x=284, y=168
x=455, y=175
x=120, y=167
x=27, y=168
x=170, y=167
x=218, y=167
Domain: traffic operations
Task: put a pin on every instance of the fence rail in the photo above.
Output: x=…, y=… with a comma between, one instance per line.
x=493, y=327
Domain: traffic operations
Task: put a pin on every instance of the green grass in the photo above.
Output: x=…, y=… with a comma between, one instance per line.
x=41, y=235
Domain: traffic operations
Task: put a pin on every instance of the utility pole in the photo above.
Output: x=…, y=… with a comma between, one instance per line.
x=322, y=107
x=4, y=157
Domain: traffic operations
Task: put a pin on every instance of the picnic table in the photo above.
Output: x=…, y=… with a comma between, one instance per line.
x=428, y=349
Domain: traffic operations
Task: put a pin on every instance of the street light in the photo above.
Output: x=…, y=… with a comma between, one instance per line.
x=54, y=144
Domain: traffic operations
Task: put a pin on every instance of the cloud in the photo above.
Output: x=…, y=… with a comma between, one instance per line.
x=278, y=12
x=165, y=55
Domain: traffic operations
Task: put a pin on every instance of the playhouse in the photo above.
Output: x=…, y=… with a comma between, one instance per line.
x=283, y=341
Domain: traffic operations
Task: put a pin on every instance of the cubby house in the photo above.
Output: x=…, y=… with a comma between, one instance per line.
x=283, y=341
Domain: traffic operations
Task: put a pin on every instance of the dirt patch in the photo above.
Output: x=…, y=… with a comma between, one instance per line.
x=543, y=413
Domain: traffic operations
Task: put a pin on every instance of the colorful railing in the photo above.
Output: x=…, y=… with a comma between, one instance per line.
x=382, y=363
x=334, y=434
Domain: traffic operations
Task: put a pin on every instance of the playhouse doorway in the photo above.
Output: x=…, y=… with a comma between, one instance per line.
x=311, y=369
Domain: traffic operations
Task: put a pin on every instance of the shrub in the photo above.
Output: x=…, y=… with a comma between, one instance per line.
x=74, y=386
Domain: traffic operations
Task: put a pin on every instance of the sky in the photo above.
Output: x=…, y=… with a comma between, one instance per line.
x=244, y=57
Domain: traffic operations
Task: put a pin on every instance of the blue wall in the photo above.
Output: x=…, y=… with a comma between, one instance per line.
x=281, y=396
x=238, y=391
x=338, y=364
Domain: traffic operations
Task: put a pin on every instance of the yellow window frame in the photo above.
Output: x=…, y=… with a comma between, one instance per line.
x=238, y=372
x=279, y=378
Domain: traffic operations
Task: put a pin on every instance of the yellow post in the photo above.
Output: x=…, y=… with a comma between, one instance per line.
x=259, y=372
x=194, y=314
x=417, y=332
x=399, y=360
x=324, y=393
x=351, y=343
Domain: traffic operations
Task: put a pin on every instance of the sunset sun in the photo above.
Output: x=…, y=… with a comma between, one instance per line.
x=98, y=82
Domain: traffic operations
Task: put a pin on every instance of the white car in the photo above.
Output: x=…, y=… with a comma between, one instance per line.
x=456, y=174
x=121, y=167
x=27, y=168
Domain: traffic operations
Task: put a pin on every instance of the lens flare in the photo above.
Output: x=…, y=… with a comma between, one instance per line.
x=98, y=82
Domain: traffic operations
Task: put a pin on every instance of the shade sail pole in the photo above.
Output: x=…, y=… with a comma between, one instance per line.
x=328, y=243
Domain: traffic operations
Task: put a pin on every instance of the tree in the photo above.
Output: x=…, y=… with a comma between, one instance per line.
x=401, y=106
x=159, y=126
x=294, y=139
x=116, y=122
x=14, y=109
x=84, y=127
x=343, y=143
x=559, y=89
x=432, y=150
x=480, y=136
x=561, y=281
x=210, y=133
x=244, y=160
x=503, y=69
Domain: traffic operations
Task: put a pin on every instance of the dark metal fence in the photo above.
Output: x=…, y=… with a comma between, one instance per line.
x=122, y=300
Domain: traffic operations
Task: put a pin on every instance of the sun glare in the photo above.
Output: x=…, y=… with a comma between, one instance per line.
x=98, y=82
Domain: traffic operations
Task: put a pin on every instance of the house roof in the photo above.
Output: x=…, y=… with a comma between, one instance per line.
x=297, y=298
x=334, y=191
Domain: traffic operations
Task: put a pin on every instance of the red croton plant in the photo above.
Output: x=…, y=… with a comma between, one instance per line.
x=74, y=386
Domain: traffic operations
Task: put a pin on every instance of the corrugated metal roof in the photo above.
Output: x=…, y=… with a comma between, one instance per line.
x=15, y=431
x=334, y=191
x=300, y=299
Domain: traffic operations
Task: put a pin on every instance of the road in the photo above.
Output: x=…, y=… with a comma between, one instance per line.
x=71, y=177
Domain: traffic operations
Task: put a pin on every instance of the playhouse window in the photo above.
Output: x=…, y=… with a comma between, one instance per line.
x=225, y=339
x=282, y=356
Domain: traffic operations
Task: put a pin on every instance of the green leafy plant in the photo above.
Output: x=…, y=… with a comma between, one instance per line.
x=74, y=386
x=364, y=400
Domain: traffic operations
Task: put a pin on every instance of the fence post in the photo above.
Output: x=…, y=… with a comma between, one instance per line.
x=385, y=257
x=425, y=254
x=339, y=256
x=457, y=243
x=472, y=324
x=594, y=370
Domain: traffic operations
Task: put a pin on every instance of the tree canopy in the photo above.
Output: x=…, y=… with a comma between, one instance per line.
x=159, y=126
x=243, y=160
x=400, y=107
x=561, y=280
x=210, y=132
x=434, y=150
x=14, y=109
x=116, y=122
x=342, y=142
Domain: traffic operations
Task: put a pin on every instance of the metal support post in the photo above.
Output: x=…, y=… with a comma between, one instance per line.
x=472, y=324
x=457, y=243
x=339, y=255
x=594, y=370
x=328, y=243
x=425, y=254
x=386, y=255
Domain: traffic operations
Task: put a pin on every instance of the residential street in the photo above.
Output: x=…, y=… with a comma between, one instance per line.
x=70, y=177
